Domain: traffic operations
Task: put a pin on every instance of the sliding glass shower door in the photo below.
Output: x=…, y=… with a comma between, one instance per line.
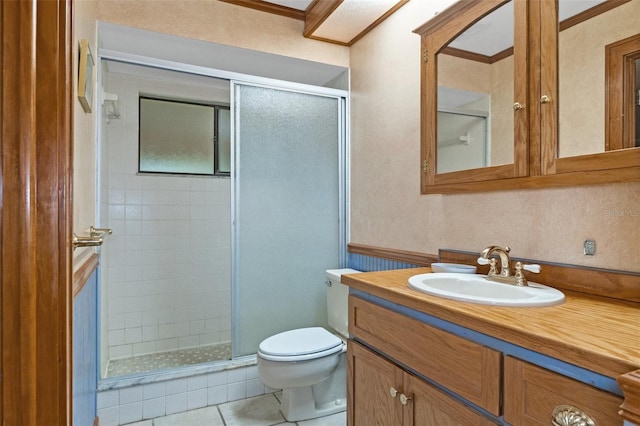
x=288, y=201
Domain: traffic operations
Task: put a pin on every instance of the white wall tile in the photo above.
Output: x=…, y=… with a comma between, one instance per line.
x=237, y=391
x=152, y=408
x=153, y=390
x=176, y=386
x=120, y=351
x=252, y=372
x=218, y=378
x=237, y=375
x=107, y=399
x=130, y=412
x=116, y=337
x=176, y=403
x=130, y=394
x=197, y=399
x=217, y=395
x=255, y=387
x=188, y=342
x=197, y=382
x=109, y=416
x=143, y=348
x=133, y=197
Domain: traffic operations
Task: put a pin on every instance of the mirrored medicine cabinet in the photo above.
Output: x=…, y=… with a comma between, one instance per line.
x=530, y=94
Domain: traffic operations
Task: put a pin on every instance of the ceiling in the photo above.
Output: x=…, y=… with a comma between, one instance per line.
x=494, y=33
x=335, y=21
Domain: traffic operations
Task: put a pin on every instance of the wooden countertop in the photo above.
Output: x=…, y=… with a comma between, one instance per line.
x=595, y=333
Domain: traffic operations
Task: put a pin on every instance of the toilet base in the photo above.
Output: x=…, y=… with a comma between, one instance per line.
x=298, y=404
x=322, y=399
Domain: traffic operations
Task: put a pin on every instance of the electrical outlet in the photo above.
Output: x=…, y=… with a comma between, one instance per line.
x=589, y=247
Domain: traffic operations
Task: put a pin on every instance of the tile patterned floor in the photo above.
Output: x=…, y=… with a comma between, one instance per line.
x=170, y=359
x=259, y=411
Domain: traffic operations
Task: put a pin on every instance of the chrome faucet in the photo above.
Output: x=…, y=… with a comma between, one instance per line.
x=505, y=276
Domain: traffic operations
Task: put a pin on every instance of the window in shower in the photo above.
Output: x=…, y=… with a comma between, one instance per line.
x=182, y=137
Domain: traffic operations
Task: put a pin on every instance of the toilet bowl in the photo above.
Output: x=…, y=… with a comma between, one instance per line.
x=309, y=364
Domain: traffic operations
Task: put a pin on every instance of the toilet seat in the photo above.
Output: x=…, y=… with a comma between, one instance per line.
x=300, y=345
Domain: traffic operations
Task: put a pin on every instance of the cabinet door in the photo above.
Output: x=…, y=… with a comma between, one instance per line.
x=532, y=393
x=430, y=406
x=370, y=384
x=466, y=368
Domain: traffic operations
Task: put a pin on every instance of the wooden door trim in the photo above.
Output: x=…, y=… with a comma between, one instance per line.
x=35, y=220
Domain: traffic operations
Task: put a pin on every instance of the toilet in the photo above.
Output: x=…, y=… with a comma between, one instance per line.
x=309, y=364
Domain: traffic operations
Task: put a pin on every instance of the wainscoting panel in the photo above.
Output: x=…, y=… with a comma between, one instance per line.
x=364, y=263
x=85, y=352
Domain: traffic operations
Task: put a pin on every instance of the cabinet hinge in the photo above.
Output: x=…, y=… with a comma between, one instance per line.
x=425, y=166
x=425, y=55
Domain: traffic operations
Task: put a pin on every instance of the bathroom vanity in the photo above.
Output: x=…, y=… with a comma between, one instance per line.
x=420, y=359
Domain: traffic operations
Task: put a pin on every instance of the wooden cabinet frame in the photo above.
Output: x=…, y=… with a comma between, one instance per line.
x=535, y=164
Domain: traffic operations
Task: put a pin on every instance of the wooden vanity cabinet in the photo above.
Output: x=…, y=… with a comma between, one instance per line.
x=403, y=371
x=532, y=393
x=465, y=368
x=382, y=393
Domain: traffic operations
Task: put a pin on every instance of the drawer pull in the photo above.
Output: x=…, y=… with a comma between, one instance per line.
x=404, y=399
x=568, y=415
x=393, y=392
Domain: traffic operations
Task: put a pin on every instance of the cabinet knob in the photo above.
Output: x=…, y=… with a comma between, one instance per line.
x=518, y=106
x=545, y=99
x=568, y=415
x=404, y=399
x=393, y=392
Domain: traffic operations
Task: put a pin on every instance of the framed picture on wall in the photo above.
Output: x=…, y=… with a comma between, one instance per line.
x=85, y=76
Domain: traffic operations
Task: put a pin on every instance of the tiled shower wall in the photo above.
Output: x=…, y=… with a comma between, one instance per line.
x=167, y=272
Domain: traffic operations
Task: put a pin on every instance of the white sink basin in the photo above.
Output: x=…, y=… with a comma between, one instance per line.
x=476, y=288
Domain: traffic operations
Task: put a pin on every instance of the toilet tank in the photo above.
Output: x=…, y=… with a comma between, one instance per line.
x=337, y=297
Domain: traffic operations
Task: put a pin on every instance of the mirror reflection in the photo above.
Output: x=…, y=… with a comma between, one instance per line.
x=475, y=95
x=598, y=96
x=583, y=75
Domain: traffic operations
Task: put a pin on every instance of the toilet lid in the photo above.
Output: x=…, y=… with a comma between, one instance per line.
x=301, y=341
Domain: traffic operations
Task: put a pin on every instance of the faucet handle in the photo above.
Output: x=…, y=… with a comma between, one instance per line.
x=520, y=267
x=491, y=262
x=535, y=268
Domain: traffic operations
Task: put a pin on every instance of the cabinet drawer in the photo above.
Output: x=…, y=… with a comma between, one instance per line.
x=471, y=370
x=531, y=393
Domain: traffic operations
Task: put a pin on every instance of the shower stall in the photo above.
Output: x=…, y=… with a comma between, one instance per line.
x=205, y=261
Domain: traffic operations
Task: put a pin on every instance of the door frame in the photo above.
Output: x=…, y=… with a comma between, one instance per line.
x=36, y=212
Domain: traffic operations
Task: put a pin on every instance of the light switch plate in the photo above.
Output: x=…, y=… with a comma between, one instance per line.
x=589, y=247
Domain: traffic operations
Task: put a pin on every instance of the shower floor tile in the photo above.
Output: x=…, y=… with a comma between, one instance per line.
x=170, y=359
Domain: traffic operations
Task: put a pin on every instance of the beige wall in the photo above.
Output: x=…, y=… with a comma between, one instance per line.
x=386, y=206
x=84, y=135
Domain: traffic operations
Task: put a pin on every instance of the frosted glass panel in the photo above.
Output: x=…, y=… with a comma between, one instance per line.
x=286, y=211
